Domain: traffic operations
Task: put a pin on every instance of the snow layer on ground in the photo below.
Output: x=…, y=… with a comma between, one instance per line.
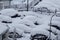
x=9, y=12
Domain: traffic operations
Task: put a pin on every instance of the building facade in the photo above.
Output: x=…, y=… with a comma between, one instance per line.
x=5, y=4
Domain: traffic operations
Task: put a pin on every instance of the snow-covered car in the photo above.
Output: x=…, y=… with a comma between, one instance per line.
x=5, y=19
x=42, y=30
x=56, y=22
x=9, y=12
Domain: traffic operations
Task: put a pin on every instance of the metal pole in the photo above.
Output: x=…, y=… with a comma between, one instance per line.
x=41, y=10
x=0, y=37
x=27, y=5
x=9, y=3
x=57, y=37
x=14, y=36
x=3, y=6
x=51, y=23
